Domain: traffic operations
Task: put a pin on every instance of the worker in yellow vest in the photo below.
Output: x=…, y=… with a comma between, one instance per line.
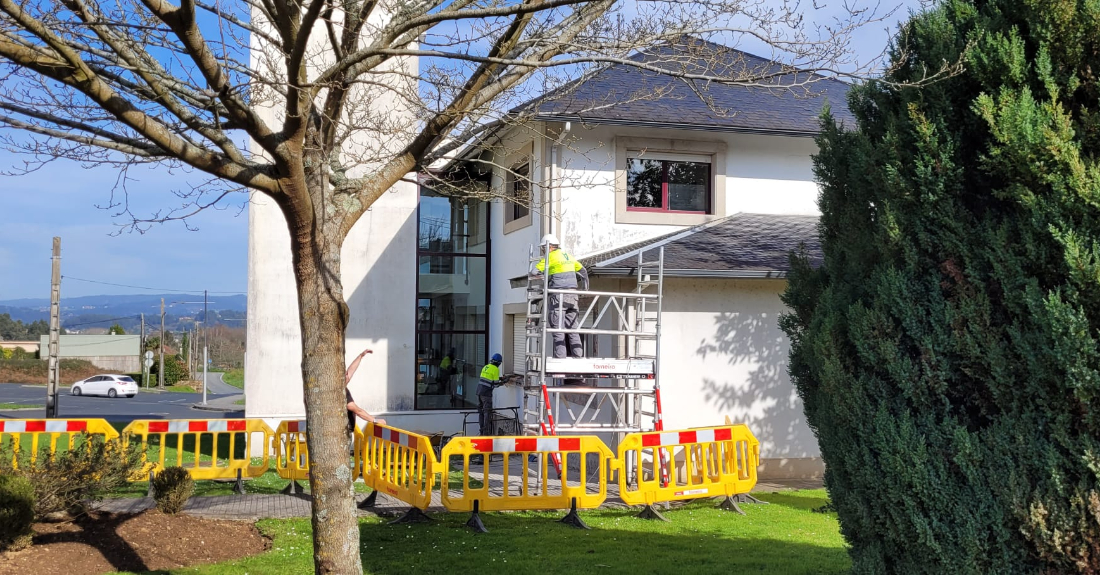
x=565, y=273
x=490, y=379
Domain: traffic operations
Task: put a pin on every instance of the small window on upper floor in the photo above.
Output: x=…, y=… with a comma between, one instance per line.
x=519, y=187
x=668, y=183
x=517, y=191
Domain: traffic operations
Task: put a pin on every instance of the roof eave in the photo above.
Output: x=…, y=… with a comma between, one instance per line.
x=677, y=126
x=516, y=283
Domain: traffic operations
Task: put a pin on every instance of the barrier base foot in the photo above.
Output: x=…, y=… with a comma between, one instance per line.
x=475, y=521
x=150, y=491
x=369, y=502
x=238, y=486
x=746, y=498
x=572, y=519
x=650, y=512
x=293, y=488
x=729, y=504
x=413, y=515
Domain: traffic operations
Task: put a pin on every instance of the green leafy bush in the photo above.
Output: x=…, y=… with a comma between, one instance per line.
x=88, y=470
x=174, y=370
x=946, y=350
x=16, y=512
x=171, y=489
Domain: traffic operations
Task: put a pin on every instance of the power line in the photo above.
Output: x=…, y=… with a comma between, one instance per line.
x=68, y=325
x=193, y=292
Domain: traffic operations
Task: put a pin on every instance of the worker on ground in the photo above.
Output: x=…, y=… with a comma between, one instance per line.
x=354, y=409
x=490, y=379
x=565, y=273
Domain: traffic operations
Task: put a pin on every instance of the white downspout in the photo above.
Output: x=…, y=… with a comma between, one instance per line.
x=554, y=204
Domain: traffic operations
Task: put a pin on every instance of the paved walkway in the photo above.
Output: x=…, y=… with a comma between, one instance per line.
x=254, y=506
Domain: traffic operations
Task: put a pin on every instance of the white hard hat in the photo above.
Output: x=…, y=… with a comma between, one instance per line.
x=550, y=239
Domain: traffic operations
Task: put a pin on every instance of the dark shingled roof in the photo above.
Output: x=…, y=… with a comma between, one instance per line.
x=741, y=245
x=628, y=95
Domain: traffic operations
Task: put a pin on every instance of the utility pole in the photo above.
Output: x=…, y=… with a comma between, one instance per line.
x=54, y=375
x=160, y=375
x=205, y=327
x=144, y=374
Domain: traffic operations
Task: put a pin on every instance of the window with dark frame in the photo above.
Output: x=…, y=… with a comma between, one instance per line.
x=452, y=300
x=659, y=184
x=518, y=187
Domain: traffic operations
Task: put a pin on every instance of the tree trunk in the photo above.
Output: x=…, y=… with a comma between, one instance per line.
x=323, y=317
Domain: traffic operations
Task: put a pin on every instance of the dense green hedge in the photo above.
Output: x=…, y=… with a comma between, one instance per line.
x=946, y=351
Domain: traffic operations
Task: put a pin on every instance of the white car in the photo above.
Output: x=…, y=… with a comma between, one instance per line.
x=109, y=385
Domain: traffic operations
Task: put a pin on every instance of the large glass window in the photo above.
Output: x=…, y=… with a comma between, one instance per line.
x=452, y=303
x=668, y=183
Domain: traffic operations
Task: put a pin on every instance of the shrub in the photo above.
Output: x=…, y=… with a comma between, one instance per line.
x=172, y=488
x=20, y=353
x=16, y=512
x=946, y=350
x=174, y=370
x=88, y=470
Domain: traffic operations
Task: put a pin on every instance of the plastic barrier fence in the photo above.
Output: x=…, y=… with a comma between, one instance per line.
x=206, y=448
x=714, y=461
x=398, y=463
x=51, y=435
x=290, y=451
x=525, y=482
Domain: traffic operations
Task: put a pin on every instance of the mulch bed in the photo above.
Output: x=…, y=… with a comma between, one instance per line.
x=108, y=542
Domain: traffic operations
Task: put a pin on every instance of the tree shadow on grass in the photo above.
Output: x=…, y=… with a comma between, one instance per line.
x=697, y=541
x=800, y=502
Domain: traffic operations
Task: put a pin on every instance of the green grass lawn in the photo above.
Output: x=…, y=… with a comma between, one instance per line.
x=239, y=402
x=784, y=537
x=179, y=389
x=4, y=406
x=234, y=377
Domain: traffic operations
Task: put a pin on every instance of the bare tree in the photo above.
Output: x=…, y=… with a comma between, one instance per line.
x=323, y=105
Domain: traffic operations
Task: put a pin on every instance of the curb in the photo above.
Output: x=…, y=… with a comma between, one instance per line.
x=209, y=407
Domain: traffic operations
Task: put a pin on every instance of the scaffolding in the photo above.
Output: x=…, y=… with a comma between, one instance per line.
x=611, y=396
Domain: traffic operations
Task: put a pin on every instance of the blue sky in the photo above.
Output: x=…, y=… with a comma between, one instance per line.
x=62, y=199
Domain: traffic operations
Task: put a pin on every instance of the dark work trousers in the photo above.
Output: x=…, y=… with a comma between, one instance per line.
x=484, y=410
x=569, y=311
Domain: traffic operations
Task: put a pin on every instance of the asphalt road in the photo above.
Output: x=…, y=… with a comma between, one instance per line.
x=145, y=405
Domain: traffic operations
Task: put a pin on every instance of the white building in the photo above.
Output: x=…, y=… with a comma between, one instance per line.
x=727, y=188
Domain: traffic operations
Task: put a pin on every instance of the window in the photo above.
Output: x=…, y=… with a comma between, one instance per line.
x=669, y=182
x=519, y=187
x=452, y=300
x=670, y=185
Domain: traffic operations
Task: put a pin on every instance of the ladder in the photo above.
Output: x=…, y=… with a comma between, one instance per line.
x=617, y=395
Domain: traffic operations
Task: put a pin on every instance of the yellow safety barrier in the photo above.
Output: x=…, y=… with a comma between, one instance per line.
x=397, y=463
x=62, y=434
x=291, y=452
x=206, y=448
x=525, y=480
x=714, y=462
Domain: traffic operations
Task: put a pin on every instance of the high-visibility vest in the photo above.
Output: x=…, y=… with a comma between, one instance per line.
x=490, y=374
x=560, y=262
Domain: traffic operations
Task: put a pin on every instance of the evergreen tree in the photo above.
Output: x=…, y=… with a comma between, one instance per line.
x=946, y=351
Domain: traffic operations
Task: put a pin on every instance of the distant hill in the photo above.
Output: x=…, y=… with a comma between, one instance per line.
x=104, y=310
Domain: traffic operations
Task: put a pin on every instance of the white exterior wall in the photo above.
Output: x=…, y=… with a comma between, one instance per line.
x=723, y=354
x=378, y=270
x=510, y=252
x=763, y=174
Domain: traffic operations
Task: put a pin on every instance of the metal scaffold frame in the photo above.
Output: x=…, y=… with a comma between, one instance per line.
x=620, y=394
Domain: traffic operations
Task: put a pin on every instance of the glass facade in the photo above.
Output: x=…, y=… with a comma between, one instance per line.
x=452, y=300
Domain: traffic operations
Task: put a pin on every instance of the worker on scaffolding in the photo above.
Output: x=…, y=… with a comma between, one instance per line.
x=565, y=273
